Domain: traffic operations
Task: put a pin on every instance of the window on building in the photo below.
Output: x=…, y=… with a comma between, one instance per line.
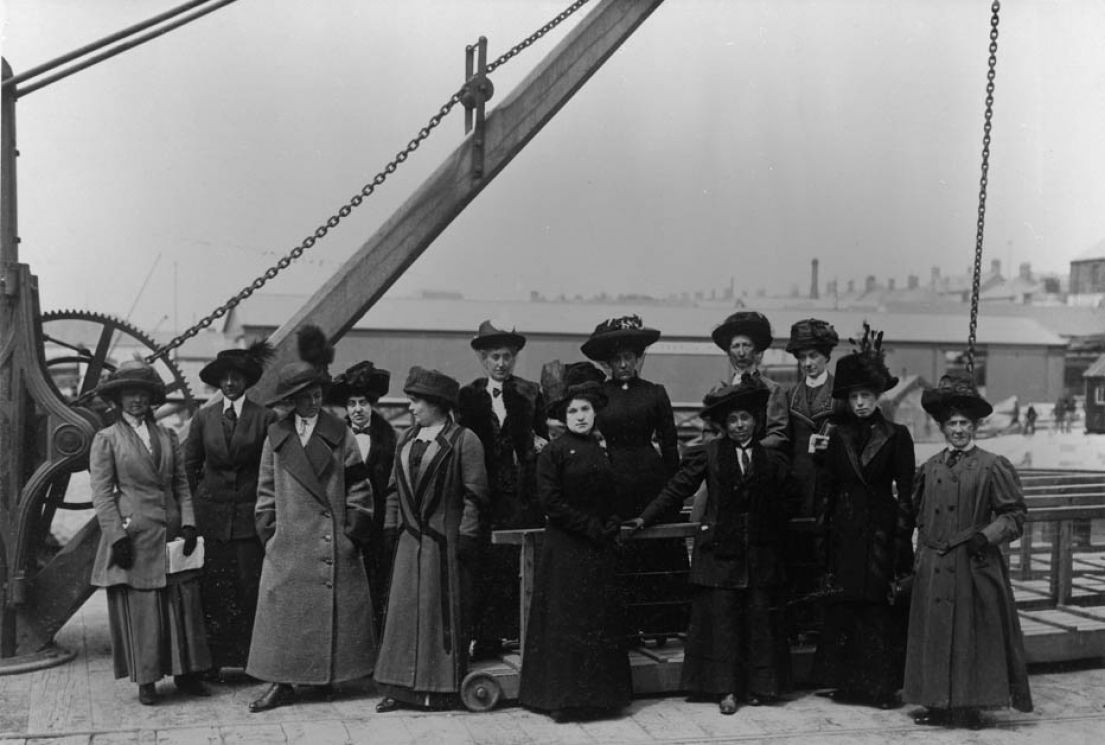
x=956, y=361
x=1099, y=394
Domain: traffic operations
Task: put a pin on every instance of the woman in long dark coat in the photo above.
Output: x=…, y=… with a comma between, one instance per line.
x=636, y=412
x=965, y=650
x=869, y=526
x=438, y=487
x=736, y=648
x=142, y=501
x=574, y=662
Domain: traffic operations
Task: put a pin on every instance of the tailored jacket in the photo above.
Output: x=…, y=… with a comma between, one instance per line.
x=314, y=613
x=223, y=475
x=424, y=640
x=377, y=468
x=744, y=519
x=777, y=419
x=509, y=455
x=808, y=414
x=129, y=484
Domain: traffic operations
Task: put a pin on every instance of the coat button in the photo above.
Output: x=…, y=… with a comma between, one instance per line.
x=328, y=562
x=325, y=514
x=951, y=508
x=326, y=538
x=330, y=585
x=936, y=571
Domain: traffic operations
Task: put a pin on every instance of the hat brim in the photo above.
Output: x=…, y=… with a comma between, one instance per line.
x=297, y=388
x=601, y=348
x=213, y=371
x=495, y=341
x=339, y=393
x=754, y=401
x=825, y=346
x=843, y=391
x=558, y=409
x=112, y=388
x=723, y=334
x=939, y=405
x=429, y=394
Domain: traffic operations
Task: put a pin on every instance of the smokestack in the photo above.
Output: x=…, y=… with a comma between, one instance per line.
x=913, y=282
x=851, y=286
x=869, y=285
x=813, y=279
x=1026, y=271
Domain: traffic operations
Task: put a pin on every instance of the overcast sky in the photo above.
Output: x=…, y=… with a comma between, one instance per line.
x=727, y=138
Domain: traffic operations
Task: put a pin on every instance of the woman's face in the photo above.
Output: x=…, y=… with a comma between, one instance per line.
x=623, y=365
x=742, y=353
x=359, y=409
x=580, y=416
x=308, y=402
x=425, y=412
x=135, y=401
x=232, y=384
x=499, y=363
x=863, y=402
x=958, y=431
x=811, y=362
x=740, y=425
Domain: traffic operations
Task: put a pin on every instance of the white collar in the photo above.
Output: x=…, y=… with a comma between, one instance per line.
x=309, y=421
x=966, y=450
x=818, y=381
x=133, y=421
x=236, y=404
x=492, y=384
x=745, y=446
x=429, y=434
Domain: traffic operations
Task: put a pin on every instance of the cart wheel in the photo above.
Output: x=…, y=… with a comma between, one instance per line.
x=480, y=691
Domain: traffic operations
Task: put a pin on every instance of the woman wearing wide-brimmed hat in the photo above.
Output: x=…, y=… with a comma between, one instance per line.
x=868, y=524
x=142, y=501
x=965, y=650
x=641, y=439
x=314, y=617
x=744, y=336
x=575, y=662
x=222, y=454
x=438, y=487
x=736, y=649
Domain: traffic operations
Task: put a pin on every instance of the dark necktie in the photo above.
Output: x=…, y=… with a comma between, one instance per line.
x=359, y=430
x=496, y=392
x=954, y=457
x=230, y=420
x=745, y=460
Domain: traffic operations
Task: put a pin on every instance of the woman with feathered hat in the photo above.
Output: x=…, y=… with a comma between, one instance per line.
x=222, y=454
x=357, y=391
x=736, y=649
x=868, y=524
x=744, y=336
x=638, y=413
x=575, y=662
x=965, y=650
x=142, y=501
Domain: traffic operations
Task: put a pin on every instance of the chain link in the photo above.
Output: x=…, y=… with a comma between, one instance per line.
x=976, y=279
x=356, y=200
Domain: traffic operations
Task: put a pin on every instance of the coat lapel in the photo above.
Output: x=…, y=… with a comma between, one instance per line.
x=436, y=454
x=145, y=457
x=880, y=435
x=848, y=442
x=293, y=458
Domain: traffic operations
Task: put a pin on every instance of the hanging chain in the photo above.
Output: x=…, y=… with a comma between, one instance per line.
x=356, y=200
x=976, y=279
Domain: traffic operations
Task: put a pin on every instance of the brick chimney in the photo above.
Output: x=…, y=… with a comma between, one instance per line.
x=913, y=282
x=1025, y=272
x=813, y=279
x=869, y=285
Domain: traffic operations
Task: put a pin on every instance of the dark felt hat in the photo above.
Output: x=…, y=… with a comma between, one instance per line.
x=489, y=336
x=432, y=384
x=362, y=379
x=133, y=374
x=812, y=333
x=295, y=377
x=750, y=394
x=749, y=323
x=956, y=392
x=581, y=380
x=625, y=331
x=864, y=368
x=249, y=362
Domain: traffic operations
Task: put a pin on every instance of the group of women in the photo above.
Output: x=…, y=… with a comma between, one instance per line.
x=352, y=531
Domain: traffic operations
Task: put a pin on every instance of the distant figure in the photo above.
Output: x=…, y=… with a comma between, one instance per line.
x=1030, y=420
x=1059, y=414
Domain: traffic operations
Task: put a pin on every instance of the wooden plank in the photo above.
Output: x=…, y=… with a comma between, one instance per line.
x=1062, y=563
x=383, y=258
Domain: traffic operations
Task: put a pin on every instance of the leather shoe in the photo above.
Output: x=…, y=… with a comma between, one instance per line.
x=278, y=694
x=934, y=717
x=147, y=694
x=191, y=685
x=386, y=704
x=728, y=705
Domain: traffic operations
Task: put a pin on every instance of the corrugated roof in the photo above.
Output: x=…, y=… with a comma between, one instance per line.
x=676, y=322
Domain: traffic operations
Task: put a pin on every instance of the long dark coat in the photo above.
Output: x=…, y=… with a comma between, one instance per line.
x=424, y=644
x=573, y=655
x=314, y=613
x=223, y=477
x=869, y=524
x=965, y=644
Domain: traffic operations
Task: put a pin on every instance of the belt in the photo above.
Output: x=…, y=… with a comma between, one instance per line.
x=943, y=547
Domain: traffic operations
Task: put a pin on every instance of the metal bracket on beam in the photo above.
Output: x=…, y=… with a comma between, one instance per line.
x=477, y=91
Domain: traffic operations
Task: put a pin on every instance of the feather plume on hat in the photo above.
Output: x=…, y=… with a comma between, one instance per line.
x=865, y=367
x=262, y=351
x=314, y=348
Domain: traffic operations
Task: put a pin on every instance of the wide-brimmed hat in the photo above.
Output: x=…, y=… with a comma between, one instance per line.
x=625, y=331
x=295, y=377
x=748, y=323
x=581, y=380
x=133, y=374
x=864, y=368
x=490, y=336
x=749, y=394
x=956, y=391
x=432, y=384
x=249, y=362
x=812, y=333
x=362, y=379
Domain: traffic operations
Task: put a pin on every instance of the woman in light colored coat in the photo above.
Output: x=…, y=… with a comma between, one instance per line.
x=438, y=487
x=314, y=612
x=141, y=497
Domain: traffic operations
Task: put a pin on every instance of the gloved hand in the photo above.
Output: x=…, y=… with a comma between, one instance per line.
x=977, y=545
x=635, y=525
x=122, y=553
x=468, y=549
x=190, y=539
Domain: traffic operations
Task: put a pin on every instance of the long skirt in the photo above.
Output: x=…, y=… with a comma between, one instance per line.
x=231, y=576
x=497, y=599
x=158, y=632
x=736, y=643
x=573, y=656
x=862, y=649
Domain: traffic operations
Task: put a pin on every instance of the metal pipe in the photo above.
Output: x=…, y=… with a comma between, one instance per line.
x=89, y=62
x=89, y=48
